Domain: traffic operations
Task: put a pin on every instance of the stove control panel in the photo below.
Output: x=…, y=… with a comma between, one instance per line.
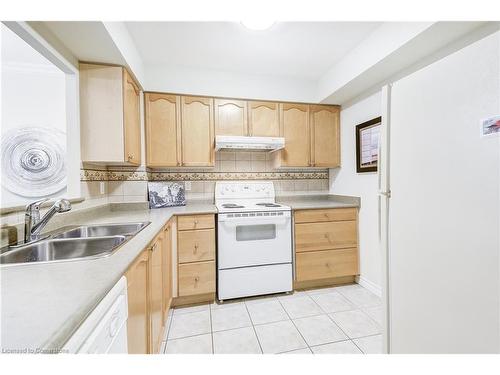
x=244, y=189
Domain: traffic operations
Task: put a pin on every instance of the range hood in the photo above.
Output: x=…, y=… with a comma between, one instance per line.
x=229, y=142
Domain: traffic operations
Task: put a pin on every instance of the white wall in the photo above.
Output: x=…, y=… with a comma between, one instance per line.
x=184, y=80
x=345, y=181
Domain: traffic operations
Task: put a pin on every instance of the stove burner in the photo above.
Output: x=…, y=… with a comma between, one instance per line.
x=232, y=205
x=268, y=204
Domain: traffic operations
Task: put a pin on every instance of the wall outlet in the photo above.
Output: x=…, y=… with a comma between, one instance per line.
x=102, y=187
x=187, y=185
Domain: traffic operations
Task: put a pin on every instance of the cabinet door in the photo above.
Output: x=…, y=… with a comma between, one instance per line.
x=325, y=136
x=197, y=131
x=263, y=119
x=138, y=322
x=162, y=120
x=295, y=128
x=167, y=270
x=101, y=114
x=230, y=117
x=131, y=120
x=156, y=293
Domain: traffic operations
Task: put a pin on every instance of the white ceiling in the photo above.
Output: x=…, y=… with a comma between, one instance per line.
x=87, y=40
x=290, y=49
x=329, y=62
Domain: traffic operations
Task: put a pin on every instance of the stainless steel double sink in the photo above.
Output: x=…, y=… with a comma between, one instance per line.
x=74, y=243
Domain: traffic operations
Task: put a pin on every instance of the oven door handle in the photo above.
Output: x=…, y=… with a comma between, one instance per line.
x=255, y=221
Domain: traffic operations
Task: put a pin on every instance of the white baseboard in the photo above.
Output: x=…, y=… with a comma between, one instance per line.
x=372, y=287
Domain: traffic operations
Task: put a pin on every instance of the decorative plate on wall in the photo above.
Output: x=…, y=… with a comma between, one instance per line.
x=33, y=161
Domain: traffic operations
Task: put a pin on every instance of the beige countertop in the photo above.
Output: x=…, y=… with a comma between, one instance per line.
x=311, y=202
x=43, y=304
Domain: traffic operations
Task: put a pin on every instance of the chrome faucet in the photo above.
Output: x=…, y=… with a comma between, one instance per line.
x=33, y=224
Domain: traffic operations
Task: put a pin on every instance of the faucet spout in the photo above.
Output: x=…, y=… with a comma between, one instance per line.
x=34, y=224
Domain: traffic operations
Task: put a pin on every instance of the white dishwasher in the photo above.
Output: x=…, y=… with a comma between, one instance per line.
x=105, y=329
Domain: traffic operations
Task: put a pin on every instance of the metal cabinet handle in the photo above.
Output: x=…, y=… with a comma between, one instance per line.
x=196, y=248
x=196, y=279
x=113, y=326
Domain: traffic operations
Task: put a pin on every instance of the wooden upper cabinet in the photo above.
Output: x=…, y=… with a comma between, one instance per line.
x=156, y=293
x=263, y=119
x=231, y=117
x=325, y=135
x=197, y=129
x=131, y=119
x=180, y=130
x=138, y=306
x=162, y=120
x=110, y=130
x=294, y=123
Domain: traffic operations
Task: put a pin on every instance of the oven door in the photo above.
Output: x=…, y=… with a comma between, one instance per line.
x=255, y=238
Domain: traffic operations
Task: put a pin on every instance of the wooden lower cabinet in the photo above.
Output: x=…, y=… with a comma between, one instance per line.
x=326, y=248
x=196, y=245
x=326, y=245
x=155, y=291
x=167, y=264
x=195, y=222
x=149, y=282
x=325, y=235
x=326, y=264
x=138, y=305
x=195, y=257
x=196, y=278
x=326, y=214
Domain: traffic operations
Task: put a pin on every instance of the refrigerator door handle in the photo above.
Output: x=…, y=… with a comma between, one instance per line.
x=385, y=193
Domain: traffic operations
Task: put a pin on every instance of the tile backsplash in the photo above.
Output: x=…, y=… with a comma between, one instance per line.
x=125, y=184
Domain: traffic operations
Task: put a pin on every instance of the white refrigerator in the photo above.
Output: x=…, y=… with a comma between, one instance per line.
x=439, y=203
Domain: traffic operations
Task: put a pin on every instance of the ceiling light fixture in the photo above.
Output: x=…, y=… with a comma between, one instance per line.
x=258, y=24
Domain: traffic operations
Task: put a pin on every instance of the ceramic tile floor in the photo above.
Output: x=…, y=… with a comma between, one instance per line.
x=336, y=320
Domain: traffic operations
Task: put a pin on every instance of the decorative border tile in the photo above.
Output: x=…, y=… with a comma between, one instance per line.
x=127, y=175
x=93, y=175
x=216, y=176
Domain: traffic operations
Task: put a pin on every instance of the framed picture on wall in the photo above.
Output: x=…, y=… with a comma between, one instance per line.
x=367, y=140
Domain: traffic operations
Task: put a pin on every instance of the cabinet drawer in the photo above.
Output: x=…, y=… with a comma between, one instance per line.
x=196, y=245
x=325, y=236
x=325, y=264
x=331, y=214
x=196, y=278
x=195, y=222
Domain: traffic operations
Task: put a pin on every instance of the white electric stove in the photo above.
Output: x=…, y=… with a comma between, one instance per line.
x=254, y=252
